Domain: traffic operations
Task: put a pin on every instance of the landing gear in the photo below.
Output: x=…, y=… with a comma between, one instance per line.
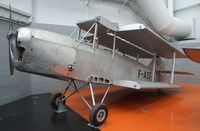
x=56, y=99
x=98, y=112
x=58, y=103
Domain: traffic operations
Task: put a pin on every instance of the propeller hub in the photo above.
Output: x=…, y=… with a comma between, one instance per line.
x=11, y=33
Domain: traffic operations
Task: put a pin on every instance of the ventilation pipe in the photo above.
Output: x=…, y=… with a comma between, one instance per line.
x=162, y=20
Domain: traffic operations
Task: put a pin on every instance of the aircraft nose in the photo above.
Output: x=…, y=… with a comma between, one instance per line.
x=24, y=35
x=23, y=42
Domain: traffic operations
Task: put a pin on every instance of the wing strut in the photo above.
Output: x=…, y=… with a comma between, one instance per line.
x=173, y=66
x=130, y=43
x=154, y=67
x=85, y=35
x=138, y=57
x=114, y=46
x=95, y=37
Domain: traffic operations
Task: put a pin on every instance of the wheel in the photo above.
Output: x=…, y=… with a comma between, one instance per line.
x=55, y=99
x=98, y=114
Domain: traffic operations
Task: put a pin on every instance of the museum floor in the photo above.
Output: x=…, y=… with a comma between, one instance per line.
x=169, y=110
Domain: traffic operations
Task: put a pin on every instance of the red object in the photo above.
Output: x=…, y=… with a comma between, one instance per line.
x=193, y=54
x=134, y=110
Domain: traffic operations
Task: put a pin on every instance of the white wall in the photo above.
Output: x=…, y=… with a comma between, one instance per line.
x=23, y=5
x=184, y=3
x=68, y=12
x=185, y=11
x=189, y=15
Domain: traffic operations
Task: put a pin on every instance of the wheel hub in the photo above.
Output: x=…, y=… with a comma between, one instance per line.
x=101, y=115
x=57, y=101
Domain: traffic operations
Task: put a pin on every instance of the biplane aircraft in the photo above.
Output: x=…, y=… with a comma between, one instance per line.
x=106, y=54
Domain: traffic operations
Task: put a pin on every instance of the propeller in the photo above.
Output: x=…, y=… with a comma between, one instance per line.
x=11, y=36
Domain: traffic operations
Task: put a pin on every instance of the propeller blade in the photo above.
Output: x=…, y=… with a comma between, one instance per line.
x=11, y=58
x=11, y=44
x=10, y=19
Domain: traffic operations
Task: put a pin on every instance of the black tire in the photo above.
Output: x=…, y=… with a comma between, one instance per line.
x=98, y=114
x=55, y=99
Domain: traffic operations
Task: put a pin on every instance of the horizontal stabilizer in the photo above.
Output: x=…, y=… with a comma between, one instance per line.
x=176, y=72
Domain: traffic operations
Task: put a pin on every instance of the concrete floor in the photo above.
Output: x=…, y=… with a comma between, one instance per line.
x=34, y=113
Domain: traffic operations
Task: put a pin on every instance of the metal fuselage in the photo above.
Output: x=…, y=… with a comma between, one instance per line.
x=54, y=55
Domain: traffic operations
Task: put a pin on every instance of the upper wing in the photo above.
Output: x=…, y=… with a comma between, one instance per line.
x=144, y=84
x=149, y=40
x=140, y=38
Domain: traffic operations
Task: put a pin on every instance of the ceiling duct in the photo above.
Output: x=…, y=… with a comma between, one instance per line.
x=162, y=20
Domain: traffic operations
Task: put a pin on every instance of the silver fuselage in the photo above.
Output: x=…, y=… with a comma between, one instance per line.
x=54, y=55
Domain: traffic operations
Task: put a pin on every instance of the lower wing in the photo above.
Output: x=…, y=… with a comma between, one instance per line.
x=144, y=84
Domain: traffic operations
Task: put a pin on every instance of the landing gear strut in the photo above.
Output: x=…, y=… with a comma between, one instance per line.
x=98, y=112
